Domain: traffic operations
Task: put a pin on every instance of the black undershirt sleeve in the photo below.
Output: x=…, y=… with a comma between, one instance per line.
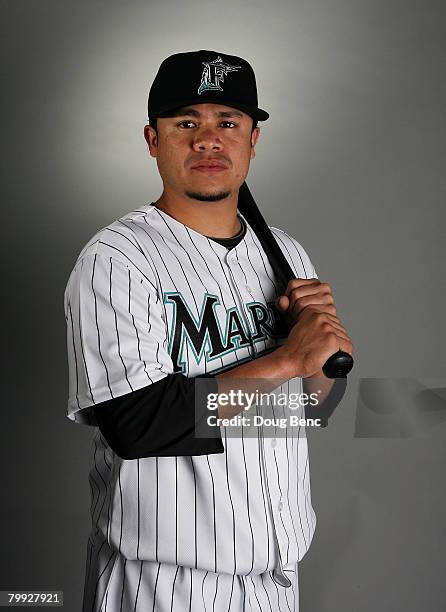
x=160, y=420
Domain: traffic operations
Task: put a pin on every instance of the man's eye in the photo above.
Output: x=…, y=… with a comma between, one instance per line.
x=187, y=124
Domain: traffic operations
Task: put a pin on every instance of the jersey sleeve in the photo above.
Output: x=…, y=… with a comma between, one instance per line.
x=116, y=334
x=295, y=254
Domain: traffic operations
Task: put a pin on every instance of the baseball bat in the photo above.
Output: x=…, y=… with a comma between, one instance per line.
x=340, y=363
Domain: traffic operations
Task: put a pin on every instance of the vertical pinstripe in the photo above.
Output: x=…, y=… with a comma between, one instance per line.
x=208, y=531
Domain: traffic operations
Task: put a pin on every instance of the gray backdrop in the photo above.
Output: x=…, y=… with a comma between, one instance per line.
x=351, y=162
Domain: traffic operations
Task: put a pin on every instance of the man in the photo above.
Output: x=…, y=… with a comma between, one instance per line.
x=174, y=292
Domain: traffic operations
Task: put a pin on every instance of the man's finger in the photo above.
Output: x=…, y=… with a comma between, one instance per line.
x=282, y=302
x=320, y=308
x=296, y=283
x=296, y=305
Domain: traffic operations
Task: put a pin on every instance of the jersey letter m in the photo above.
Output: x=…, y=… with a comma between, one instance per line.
x=206, y=337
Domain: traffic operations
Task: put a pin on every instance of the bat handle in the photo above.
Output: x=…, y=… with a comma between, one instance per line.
x=338, y=365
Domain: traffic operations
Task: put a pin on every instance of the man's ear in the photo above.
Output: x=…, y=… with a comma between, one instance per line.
x=254, y=138
x=151, y=138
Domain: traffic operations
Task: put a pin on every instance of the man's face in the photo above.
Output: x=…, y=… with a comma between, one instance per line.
x=204, y=151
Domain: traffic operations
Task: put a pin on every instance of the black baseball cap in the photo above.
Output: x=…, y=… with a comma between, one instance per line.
x=196, y=77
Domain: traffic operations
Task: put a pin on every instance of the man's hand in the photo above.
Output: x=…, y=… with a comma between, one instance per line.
x=302, y=292
x=316, y=332
x=315, y=337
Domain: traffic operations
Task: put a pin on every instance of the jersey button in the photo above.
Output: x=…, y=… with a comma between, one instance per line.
x=273, y=442
x=280, y=506
x=234, y=260
x=248, y=289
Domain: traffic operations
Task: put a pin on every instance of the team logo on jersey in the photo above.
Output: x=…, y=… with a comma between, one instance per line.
x=205, y=338
x=214, y=73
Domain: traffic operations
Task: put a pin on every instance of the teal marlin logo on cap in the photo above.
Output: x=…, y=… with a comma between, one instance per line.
x=214, y=73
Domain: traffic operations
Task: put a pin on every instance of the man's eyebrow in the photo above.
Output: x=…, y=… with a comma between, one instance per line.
x=192, y=112
x=232, y=113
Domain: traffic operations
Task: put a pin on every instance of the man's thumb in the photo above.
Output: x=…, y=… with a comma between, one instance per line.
x=281, y=303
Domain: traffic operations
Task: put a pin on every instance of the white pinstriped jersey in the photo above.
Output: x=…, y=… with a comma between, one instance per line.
x=148, y=297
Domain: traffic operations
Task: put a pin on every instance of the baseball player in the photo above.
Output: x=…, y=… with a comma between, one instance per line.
x=176, y=291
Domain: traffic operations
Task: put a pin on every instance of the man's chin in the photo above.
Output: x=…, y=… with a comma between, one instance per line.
x=203, y=196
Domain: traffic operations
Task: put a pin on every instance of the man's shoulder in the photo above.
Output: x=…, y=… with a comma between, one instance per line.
x=294, y=252
x=285, y=239
x=277, y=231
x=119, y=239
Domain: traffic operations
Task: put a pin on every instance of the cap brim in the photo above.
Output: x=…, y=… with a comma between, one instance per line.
x=252, y=111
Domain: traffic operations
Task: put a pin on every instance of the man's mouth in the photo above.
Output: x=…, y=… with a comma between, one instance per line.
x=209, y=166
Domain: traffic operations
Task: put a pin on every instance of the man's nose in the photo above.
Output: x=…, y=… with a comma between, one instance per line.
x=207, y=139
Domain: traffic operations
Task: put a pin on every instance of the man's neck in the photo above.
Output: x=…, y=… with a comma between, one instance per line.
x=216, y=219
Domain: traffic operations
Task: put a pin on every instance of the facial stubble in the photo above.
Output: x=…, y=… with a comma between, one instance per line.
x=207, y=197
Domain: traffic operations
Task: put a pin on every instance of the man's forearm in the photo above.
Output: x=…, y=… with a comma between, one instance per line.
x=319, y=384
x=262, y=375
x=330, y=392
x=265, y=374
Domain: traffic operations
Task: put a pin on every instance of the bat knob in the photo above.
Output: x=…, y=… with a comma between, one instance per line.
x=338, y=365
